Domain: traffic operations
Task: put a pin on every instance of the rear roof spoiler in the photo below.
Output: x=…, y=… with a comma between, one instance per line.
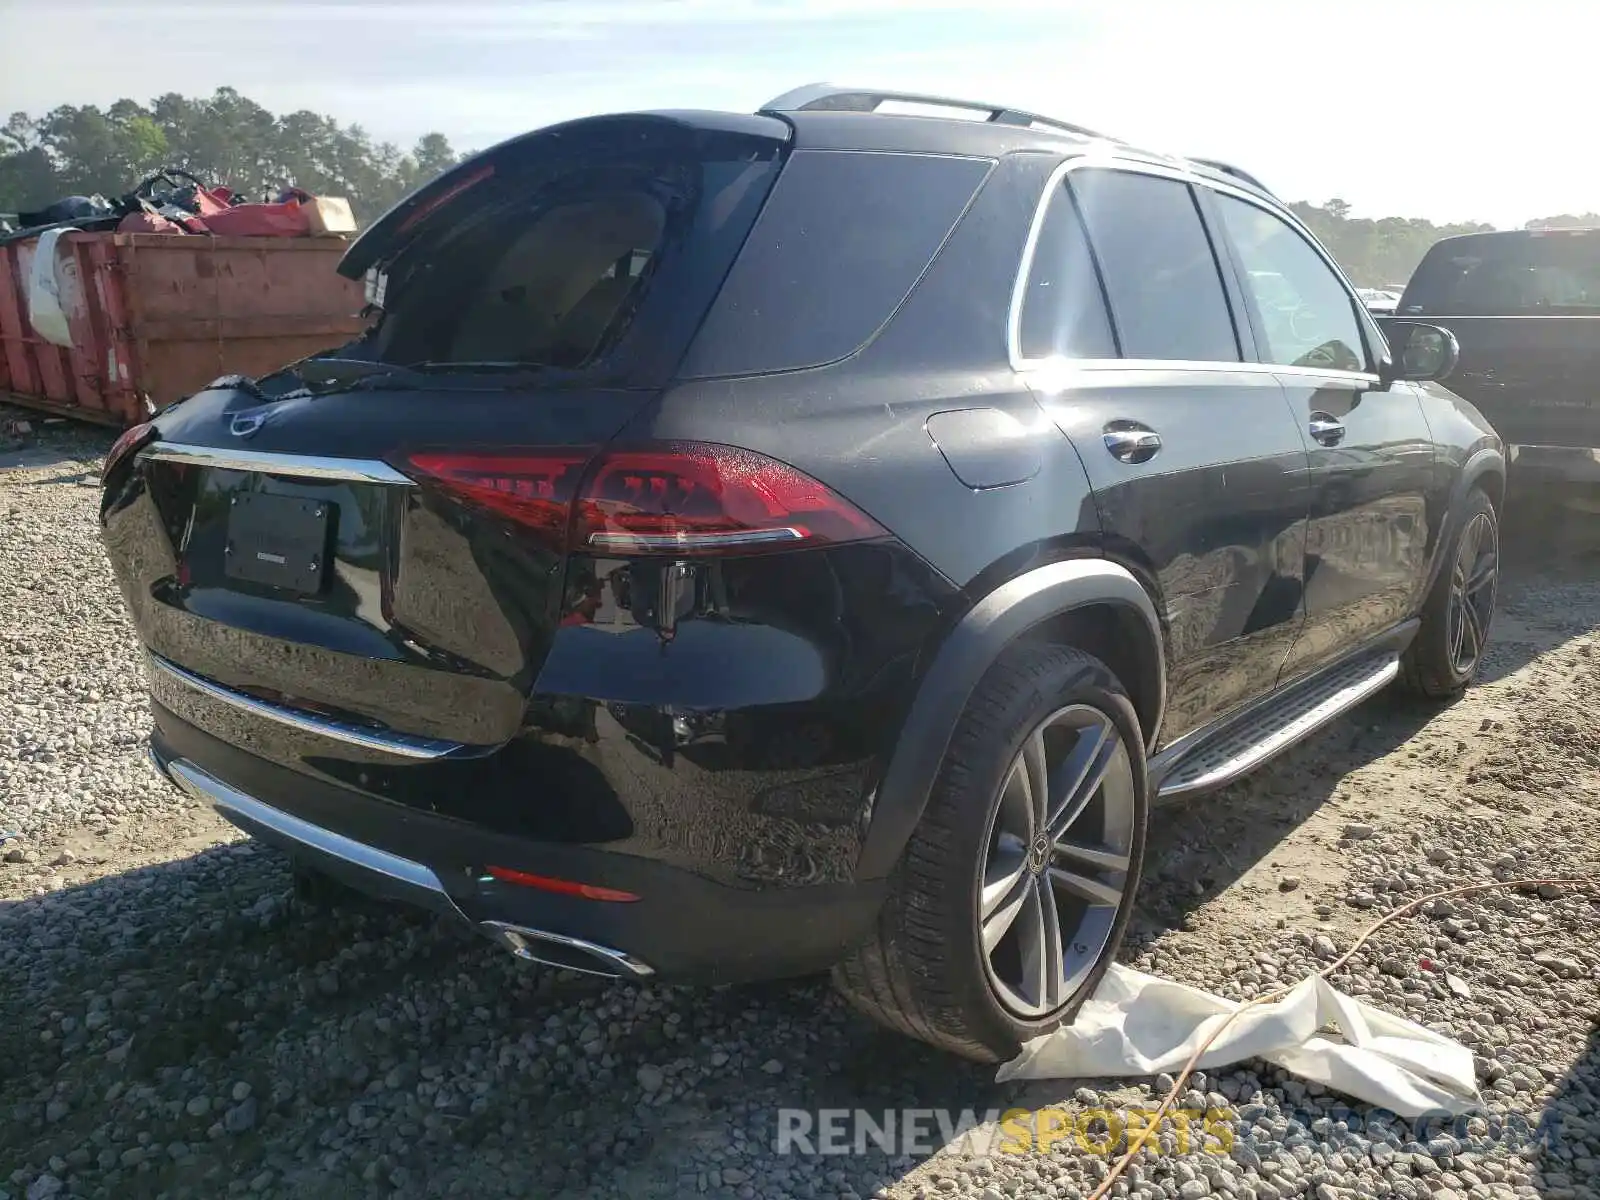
x=381, y=240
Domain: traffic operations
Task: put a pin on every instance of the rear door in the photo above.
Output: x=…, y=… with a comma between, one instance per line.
x=1525, y=307
x=1369, y=538
x=1197, y=463
x=377, y=536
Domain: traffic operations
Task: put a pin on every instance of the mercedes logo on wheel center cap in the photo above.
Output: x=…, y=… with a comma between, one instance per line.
x=1039, y=855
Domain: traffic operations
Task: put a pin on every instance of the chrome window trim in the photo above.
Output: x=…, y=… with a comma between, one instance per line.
x=400, y=745
x=266, y=462
x=1113, y=161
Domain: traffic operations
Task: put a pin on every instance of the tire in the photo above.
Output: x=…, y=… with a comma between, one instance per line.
x=925, y=971
x=1440, y=662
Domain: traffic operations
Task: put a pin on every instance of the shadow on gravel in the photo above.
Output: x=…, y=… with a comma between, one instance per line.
x=190, y=1030
x=1569, y=1157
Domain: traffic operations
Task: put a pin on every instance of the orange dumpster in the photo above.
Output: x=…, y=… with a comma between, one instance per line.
x=155, y=317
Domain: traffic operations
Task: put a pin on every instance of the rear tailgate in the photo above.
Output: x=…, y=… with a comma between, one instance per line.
x=379, y=541
x=340, y=585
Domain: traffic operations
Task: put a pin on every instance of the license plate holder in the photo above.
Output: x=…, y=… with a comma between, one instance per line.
x=278, y=541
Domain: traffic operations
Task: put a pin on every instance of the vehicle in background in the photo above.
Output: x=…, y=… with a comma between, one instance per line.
x=750, y=544
x=1378, y=301
x=1524, y=306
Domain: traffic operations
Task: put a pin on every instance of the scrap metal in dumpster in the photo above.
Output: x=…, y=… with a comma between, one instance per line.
x=109, y=325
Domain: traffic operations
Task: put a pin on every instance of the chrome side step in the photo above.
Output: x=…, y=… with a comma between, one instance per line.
x=1237, y=750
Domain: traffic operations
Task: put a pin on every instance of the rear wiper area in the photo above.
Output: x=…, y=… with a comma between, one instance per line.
x=345, y=372
x=330, y=376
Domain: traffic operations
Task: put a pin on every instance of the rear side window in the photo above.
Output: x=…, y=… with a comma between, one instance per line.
x=1555, y=272
x=842, y=240
x=553, y=266
x=1063, y=309
x=1161, y=275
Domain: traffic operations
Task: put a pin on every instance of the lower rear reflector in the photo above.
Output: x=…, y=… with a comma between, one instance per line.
x=562, y=887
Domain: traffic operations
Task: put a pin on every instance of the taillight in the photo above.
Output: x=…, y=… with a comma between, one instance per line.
x=677, y=498
x=697, y=498
x=533, y=488
x=130, y=441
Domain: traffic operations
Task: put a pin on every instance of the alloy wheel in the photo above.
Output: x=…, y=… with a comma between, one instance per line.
x=1058, y=860
x=1473, y=580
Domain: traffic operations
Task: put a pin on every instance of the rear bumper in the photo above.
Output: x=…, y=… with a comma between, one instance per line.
x=684, y=927
x=1554, y=464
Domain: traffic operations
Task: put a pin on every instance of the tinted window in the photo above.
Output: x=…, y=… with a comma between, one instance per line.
x=550, y=265
x=1160, y=273
x=1555, y=272
x=1063, y=309
x=1308, y=318
x=841, y=241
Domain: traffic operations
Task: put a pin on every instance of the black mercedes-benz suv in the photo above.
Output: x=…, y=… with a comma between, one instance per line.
x=745, y=545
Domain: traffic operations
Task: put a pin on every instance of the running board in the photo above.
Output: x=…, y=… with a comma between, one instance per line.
x=1239, y=749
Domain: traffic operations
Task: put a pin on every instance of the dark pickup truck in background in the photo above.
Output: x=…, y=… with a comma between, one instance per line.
x=1525, y=307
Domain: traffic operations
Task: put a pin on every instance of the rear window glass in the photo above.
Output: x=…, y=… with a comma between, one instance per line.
x=1551, y=273
x=552, y=269
x=838, y=247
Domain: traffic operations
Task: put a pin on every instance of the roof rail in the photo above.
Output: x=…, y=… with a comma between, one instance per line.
x=1237, y=172
x=825, y=97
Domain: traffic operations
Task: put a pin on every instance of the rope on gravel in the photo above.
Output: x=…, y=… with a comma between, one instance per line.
x=1171, y=1097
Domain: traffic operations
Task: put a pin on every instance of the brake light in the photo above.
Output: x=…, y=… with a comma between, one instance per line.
x=128, y=442
x=533, y=488
x=434, y=203
x=677, y=498
x=697, y=498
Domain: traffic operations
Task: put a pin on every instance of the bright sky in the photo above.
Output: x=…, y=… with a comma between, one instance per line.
x=1451, y=111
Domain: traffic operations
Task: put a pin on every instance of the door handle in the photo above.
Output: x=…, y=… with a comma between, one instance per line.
x=1131, y=442
x=1326, y=430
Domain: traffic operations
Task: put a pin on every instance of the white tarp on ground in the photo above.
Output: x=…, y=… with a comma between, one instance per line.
x=45, y=311
x=1136, y=1024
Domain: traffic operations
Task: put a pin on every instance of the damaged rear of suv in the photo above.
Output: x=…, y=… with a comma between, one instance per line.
x=472, y=612
x=745, y=545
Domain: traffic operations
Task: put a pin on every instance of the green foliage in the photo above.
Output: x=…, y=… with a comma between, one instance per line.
x=224, y=138
x=1375, y=252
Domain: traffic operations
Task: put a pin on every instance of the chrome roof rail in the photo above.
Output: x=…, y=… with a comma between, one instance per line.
x=826, y=97
x=1229, y=169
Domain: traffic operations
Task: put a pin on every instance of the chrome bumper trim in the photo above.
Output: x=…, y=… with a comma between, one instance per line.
x=400, y=744
x=231, y=803
x=265, y=462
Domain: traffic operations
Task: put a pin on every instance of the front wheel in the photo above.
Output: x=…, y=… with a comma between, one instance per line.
x=1449, y=647
x=1016, y=887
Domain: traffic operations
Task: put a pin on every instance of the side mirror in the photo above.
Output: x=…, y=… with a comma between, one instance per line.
x=1419, y=352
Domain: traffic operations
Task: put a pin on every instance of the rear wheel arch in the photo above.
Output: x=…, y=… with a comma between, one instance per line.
x=1095, y=604
x=1484, y=470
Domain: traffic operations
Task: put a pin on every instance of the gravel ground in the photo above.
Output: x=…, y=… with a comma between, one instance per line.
x=172, y=1023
